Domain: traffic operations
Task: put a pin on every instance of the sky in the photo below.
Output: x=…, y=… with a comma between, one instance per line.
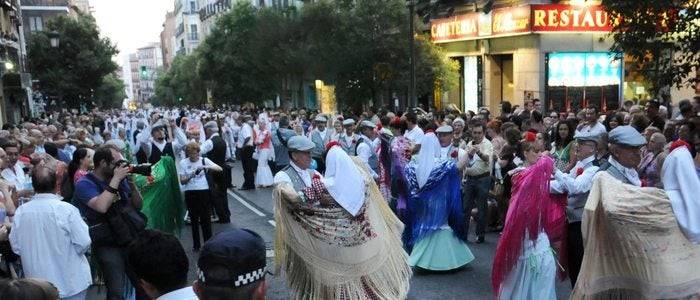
x=131, y=24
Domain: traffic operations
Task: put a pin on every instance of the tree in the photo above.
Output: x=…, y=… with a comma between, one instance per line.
x=662, y=37
x=182, y=84
x=76, y=69
x=110, y=94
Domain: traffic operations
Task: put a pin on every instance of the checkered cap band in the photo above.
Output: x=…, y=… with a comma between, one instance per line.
x=241, y=280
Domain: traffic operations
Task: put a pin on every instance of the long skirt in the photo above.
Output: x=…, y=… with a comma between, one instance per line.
x=263, y=176
x=534, y=276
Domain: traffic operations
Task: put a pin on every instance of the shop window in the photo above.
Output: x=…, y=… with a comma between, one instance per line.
x=576, y=80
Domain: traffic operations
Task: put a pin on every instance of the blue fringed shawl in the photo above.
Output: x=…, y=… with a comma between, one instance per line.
x=437, y=203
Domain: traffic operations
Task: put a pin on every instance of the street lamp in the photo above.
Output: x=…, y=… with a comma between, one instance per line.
x=9, y=65
x=54, y=39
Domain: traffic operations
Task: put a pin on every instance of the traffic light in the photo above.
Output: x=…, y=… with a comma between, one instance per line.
x=144, y=73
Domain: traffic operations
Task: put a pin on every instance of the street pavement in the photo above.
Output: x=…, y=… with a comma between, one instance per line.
x=253, y=209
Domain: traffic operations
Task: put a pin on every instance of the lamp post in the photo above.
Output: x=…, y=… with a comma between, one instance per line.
x=412, y=88
x=54, y=39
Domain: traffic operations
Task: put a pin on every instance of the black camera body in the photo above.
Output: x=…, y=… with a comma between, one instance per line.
x=142, y=169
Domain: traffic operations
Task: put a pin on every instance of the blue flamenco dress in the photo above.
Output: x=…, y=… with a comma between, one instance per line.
x=435, y=234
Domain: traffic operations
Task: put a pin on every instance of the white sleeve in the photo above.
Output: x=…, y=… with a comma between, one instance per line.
x=364, y=153
x=580, y=184
x=79, y=233
x=281, y=177
x=207, y=146
x=210, y=163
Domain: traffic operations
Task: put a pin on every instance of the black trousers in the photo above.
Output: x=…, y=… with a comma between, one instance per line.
x=200, y=214
x=249, y=166
x=574, y=248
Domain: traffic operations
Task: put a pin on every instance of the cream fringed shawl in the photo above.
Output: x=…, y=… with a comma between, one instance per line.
x=634, y=248
x=333, y=268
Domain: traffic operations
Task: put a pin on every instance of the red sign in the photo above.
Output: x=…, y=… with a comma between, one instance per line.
x=571, y=18
x=511, y=20
x=454, y=29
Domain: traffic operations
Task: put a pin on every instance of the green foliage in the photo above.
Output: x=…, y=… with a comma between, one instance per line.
x=662, y=36
x=360, y=46
x=110, y=94
x=182, y=84
x=75, y=70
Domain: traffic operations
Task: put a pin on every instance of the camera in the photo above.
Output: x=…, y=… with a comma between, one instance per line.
x=142, y=169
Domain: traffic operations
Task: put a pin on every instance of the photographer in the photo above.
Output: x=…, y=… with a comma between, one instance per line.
x=109, y=201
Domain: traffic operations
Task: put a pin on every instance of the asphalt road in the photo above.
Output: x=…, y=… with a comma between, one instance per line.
x=253, y=210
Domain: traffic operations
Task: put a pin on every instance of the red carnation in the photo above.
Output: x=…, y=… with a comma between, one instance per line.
x=454, y=154
x=316, y=176
x=150, y=179
x=579, y=171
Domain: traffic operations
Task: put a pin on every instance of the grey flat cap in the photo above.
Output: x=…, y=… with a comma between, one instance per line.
x=211, y=125
x=587, y=136
x=300, y=143
x=367, y=124
x=626, y=136
x=458, y=120
x=321, y=118
x=444, y=129
x=348, y=122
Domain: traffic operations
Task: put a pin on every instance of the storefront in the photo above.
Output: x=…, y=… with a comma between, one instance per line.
x=555, y=52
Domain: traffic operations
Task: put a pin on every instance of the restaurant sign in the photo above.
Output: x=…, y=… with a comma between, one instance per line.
x=521, y=20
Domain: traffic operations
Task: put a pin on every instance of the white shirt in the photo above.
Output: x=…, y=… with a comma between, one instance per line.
x=597, y=129
x=415, y=135
x=18, y=178
x=573, y=183
x=246, y=132
x=305, y=175
x=188, y=168
x=52, y=239
x=185, y=293
x=364, y=152
x=446, y=152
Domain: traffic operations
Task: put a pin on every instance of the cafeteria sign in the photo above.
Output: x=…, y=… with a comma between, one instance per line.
x=525, y=19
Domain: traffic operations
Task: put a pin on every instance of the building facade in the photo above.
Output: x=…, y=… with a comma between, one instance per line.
x=522, y=50
x=150, y=62
x=186, y=26
x=135, y=81
x=167, y=40
x=13, y=91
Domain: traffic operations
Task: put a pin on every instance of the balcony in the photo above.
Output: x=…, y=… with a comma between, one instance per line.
x=46, y=5
x=180, y=29
x=214, y=9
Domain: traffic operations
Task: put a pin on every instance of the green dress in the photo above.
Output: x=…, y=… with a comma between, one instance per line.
x=562, y=158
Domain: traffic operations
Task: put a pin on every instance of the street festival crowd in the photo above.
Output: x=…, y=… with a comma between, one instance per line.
x=606, y=200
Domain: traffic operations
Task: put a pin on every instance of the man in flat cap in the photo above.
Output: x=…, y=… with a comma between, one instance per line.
x=297, y=173
x=245, y=143
x=214, y=148
x=447, y=149
x=157, y=146
x=625, y=154
x=348, y=139
x=577, y=185
x=320, y=137
x=365, y=148
x=232, y=266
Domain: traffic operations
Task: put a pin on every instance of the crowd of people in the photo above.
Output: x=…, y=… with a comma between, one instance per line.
x=361, y=198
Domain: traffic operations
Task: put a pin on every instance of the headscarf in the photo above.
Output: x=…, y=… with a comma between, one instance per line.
x=429, y=152
x=344, y=181
x=681, y=185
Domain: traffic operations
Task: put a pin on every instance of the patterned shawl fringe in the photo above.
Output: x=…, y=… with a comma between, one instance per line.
x=389, y=279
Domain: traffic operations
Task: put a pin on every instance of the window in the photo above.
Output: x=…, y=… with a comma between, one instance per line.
x=36, y=24
x=193, y=6
x=193, y=32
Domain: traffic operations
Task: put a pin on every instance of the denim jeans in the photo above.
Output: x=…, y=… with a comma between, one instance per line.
x=475, y=193
x=112, y=262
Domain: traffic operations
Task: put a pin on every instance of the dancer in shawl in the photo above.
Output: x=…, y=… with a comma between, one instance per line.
x=637, y=239
x=435, y=234
x=524, y=266
x=400, y=155
x=337, y=237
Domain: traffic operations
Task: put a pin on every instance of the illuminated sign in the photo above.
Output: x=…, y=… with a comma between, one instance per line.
x=561, y=17
x=454, y=29
x=521, y=20
x=584, y=69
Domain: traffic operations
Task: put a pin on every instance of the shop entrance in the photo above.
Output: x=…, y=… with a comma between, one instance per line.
x=502, y=85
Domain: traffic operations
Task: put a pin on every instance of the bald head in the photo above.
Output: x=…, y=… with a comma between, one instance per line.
x=44, y=179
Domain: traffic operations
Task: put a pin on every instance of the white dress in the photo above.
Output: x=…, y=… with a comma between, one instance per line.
x=263, y=176
x=534, y=276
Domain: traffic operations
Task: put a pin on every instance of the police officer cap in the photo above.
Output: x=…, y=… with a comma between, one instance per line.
x=348, y=122
x=444, y=129
x=626, y=136
x=232, y=259
x=300, y=143
x=587, y=136
x=367, y=124
x=321, y=118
